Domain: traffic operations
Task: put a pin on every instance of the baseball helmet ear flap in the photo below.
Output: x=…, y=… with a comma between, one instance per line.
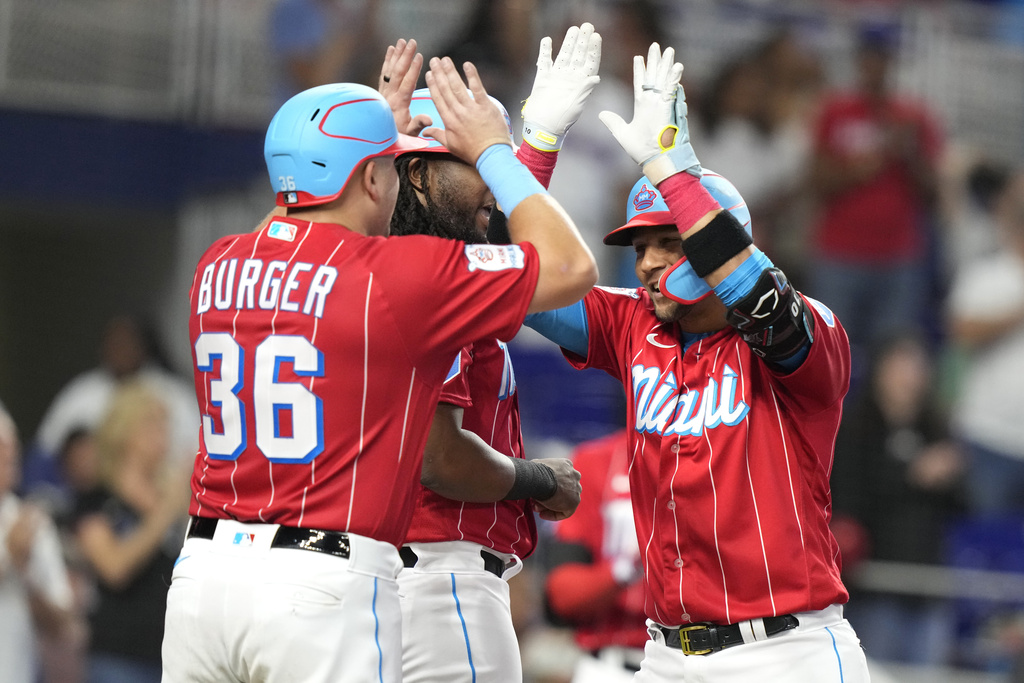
x=320, y=136
x=421, y=103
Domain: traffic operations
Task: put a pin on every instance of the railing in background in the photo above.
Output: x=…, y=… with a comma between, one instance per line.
x=209, y=62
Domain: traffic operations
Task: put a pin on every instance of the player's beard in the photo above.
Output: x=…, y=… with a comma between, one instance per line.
x=443, y=215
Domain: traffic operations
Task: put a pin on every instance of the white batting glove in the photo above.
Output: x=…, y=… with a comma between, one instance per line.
x=560, y=89
x=659, y=104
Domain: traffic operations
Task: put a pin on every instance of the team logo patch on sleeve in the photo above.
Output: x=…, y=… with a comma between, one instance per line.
x=494, y=257
x=826, y=314
x=281, y=231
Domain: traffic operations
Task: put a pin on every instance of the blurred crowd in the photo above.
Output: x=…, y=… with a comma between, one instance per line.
x=914, y=239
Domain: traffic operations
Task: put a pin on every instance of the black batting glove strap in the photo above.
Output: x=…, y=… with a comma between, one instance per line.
x=773, y=319
x=716, y=243
x=533, y=480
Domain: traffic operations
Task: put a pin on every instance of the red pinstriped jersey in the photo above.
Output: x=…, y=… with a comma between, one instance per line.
x=482, y=382
x=603, y=524
x=320, y=354
x=729, y=463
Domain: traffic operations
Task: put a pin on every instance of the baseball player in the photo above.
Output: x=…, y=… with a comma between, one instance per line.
x=457, y=622
x=321, y=348
x=595, y=582
x=734, y=385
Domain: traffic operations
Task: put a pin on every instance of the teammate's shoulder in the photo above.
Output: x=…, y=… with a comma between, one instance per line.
x=631, y=293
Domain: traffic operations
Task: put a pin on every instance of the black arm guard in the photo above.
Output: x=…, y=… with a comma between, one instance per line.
x=773, y=319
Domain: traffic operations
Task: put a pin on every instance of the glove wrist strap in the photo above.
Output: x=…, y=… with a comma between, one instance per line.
x=670, y=162
x=540, y=138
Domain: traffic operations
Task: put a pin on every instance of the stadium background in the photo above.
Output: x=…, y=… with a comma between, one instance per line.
x=131, y=136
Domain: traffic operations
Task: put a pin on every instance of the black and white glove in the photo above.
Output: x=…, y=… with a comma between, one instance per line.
x=561, y=88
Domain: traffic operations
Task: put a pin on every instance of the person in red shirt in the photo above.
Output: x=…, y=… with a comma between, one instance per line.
x=734, y=387
x=595, y=583
x=321, y=347
x=874, y=177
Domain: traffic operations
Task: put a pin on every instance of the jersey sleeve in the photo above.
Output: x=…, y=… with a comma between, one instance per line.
x=824, y=377
x=445, y=292
x=609, y=310
x=456, y=384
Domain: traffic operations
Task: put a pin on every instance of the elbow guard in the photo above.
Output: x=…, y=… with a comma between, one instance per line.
x=773, y=319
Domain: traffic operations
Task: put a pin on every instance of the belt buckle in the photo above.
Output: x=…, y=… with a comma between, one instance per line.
x=684, y=639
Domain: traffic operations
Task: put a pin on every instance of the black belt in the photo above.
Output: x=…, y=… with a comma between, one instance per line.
x=331, y=542
x=703, y=639
x=492, y=562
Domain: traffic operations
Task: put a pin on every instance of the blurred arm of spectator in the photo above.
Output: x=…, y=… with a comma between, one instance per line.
x=117, y=558
x=33, y=549
x=35, y=594
x=977, y=331
x=986, y=302
x=137, y=478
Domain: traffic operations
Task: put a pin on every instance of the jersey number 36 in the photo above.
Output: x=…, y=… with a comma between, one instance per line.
x=272, y=399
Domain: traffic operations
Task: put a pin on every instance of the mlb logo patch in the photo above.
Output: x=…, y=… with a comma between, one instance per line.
x=282, y=231
x=242, y=538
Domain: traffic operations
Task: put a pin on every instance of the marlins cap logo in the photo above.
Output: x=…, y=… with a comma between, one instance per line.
x=644, y=198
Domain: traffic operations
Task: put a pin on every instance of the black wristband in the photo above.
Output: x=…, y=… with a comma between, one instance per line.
x=533, y=480
x=716, y=243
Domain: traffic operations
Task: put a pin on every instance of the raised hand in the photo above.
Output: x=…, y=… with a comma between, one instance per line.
x=567, y=497
x=472, y=122
x=658, y=137
x=561, y=88
x=398, y=77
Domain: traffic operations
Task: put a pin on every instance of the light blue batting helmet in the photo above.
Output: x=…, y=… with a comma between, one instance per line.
x=321, y=135
x=645, y=207
x=421, y=103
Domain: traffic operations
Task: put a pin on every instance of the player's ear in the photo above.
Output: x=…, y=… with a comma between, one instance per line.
x=371, y=179
x=417, y=171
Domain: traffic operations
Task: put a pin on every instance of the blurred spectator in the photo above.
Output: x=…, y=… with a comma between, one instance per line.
x=595, y=581
x=35, y=596
x=752, y=116
x=986, y=318
x=498, y=38
x=894, y=487
x=970, y=186
x=130, y=530
x=874, y=174
x=127, y=352
x=325, y=41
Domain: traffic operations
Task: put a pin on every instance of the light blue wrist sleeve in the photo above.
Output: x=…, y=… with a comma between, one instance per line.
x=741, y=281
x=567, y=327
x=509, y=181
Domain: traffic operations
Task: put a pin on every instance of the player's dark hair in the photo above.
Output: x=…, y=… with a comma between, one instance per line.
x=436, y=218
x=410, y=216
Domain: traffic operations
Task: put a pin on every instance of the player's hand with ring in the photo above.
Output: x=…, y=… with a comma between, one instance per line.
x=567, y=496
x=398, y=76
x=561, y=88
x=658, y=137
x=472, y=122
